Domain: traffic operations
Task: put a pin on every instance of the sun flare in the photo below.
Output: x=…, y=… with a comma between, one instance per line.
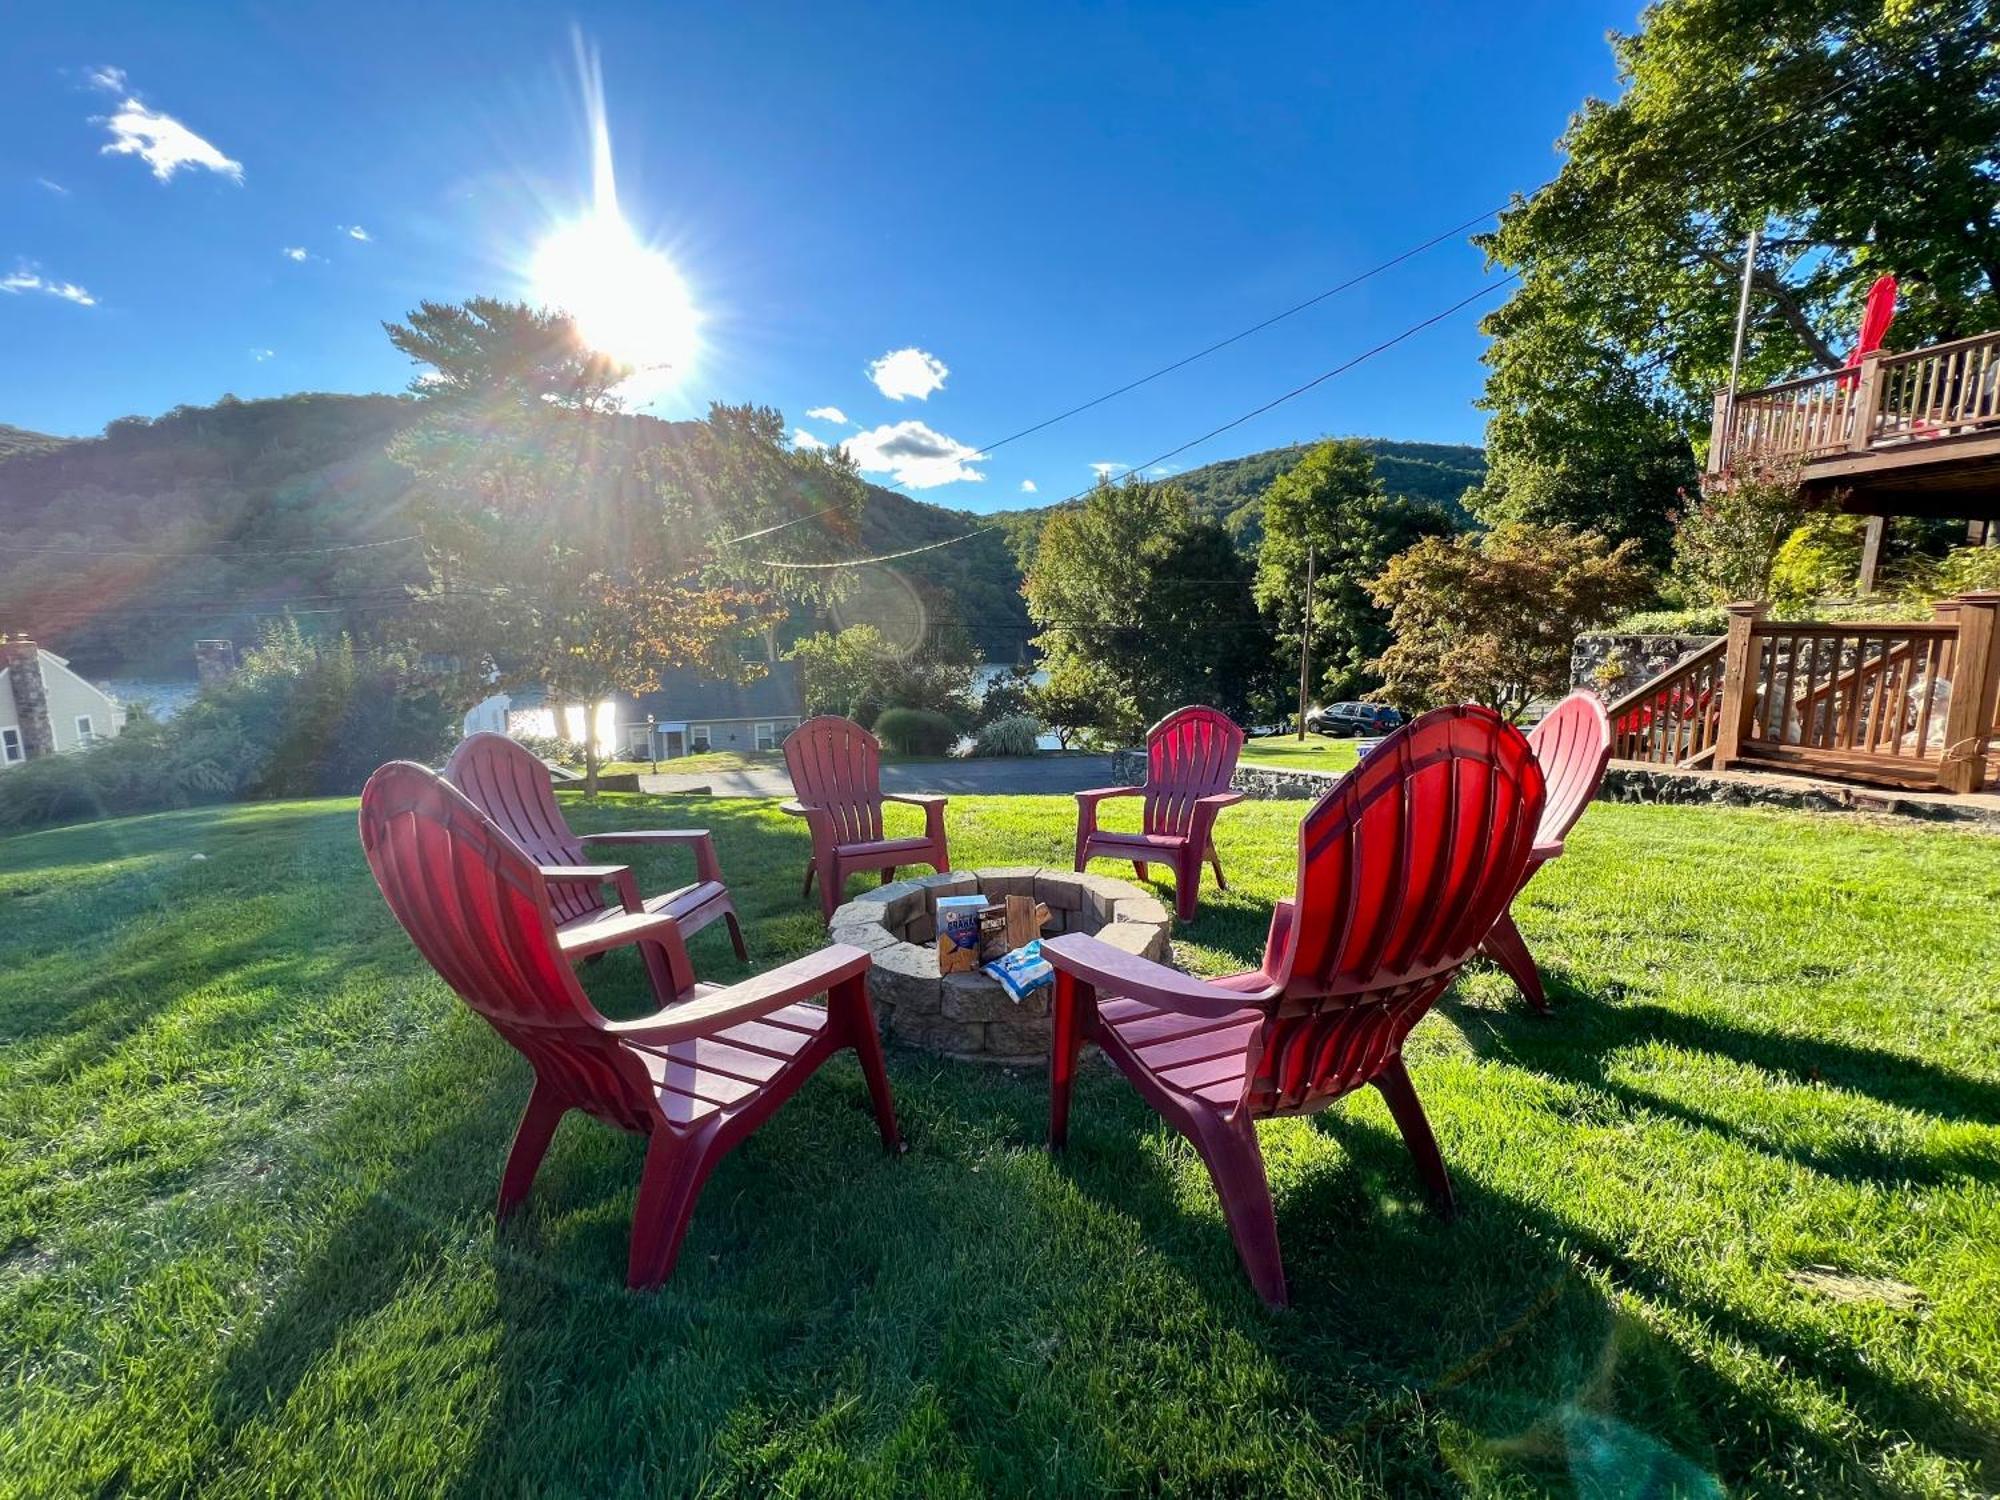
x=627, y=300
x=625, y=297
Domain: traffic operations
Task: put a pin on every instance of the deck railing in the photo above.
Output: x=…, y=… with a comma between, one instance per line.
x=1907, y=703
x=1946, y=390
x=1672, y=720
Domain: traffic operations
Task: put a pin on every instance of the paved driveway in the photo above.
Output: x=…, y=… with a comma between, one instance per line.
x=1043, y=774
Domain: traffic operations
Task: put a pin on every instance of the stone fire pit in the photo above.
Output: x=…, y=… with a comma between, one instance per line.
x=969, y=1015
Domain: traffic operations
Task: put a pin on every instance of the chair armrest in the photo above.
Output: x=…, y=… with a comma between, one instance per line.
x=925, y=800
x=794, y=809
x=706, y=865
x=1113, y=971
x=618, y=875
x=812, y=975
x=1220, y=800
x=1098, y=794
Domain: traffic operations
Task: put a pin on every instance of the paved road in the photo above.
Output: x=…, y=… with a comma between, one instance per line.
x=1047, y=775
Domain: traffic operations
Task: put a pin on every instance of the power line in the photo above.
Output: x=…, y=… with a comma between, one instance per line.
x=1737, y=148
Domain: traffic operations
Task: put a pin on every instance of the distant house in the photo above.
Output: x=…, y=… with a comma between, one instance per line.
x=45, y=708
x=692, y=712
x=528, y=714
x=688, y=713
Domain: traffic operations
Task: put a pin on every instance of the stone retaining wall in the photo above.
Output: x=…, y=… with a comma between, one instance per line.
x=1612, y=665
x=1260, y=783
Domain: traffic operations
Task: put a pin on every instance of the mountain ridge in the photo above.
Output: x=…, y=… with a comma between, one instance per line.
x=311, y=471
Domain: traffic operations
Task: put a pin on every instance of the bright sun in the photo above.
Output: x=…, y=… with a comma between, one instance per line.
x=626, y=298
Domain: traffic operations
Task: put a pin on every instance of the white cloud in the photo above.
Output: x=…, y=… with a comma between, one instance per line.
x=355, y=232
x=918, y=457
x=827, y=414
x=1027, y=486
x=294, y=252
x=159, y=140
x=22, y=279
x=908, y=372
x=53, y=186
x=260, y=355
x=1160, y=470
x=804, y=441
x=1106, y=470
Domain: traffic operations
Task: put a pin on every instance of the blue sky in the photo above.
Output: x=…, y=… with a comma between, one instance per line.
x=1016, y=207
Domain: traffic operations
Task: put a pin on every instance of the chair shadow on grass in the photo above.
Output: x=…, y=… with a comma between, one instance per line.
x=1592, y=1025
x=1496, y=1311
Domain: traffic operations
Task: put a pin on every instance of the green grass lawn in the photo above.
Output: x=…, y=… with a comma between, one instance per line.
x=696, y=765
x=248, y=1148
x=1313, y=753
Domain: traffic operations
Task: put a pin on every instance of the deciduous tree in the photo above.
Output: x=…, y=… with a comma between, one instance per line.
x=1490, y=618
x=1155, y=602
x=1331, y=504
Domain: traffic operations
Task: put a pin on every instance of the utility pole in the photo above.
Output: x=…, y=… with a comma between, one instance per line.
x=1305, y=641
x=1742, y=333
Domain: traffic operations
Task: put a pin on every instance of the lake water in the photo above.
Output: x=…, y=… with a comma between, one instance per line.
x=991, y=672
x=164, y=698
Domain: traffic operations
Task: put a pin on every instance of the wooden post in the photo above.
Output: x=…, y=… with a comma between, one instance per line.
x=1739, y=686
x=1718, y=434
x=1867, y=403
x=1871, y=554
x=1306, y=643
x=1975, y=683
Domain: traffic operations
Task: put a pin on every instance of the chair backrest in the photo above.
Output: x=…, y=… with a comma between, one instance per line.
x=477, y=909
x=1572, y=746
x=508, y=782
x=1404, y=866
x=837, y=765
x=1190, y=754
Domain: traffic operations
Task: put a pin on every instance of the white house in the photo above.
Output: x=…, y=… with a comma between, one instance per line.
x=46, y=708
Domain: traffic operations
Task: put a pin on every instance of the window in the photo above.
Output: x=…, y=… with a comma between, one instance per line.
x=10, y=747
x=697, y=739
x=767, y=736
x=84, y=735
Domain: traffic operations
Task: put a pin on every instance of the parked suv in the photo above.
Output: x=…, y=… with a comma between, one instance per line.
x=1342, y=720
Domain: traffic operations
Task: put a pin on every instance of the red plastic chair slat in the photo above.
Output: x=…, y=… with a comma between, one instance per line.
x=836, y=771
x=1404, y=865
x=509, y=783
x=1190, y=755
x=1573, y=747
x=478, y=909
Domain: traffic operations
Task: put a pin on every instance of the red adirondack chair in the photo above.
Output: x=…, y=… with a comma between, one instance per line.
x=1404, y=865
x=1190, y=757
x=836, y=769
x=509, y=783
x=1572, y=746
x=695, y=1079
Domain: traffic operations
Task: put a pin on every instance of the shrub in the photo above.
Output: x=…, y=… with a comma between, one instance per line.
x=1968, y=568
x=297, y=720
x=915, y=731
x=1707, y=619
x=1014, y=735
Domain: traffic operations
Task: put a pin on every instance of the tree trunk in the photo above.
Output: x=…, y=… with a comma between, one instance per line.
x=589, y=761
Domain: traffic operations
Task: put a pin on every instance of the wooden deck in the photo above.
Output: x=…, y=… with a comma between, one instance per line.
x=1895, y=702
x=1916, y=433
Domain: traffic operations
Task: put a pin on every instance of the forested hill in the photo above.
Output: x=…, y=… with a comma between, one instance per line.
x=1231, y=490
x=19, y=440
x=122, y=550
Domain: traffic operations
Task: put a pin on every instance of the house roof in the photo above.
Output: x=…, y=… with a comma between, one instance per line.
x=696, y=697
